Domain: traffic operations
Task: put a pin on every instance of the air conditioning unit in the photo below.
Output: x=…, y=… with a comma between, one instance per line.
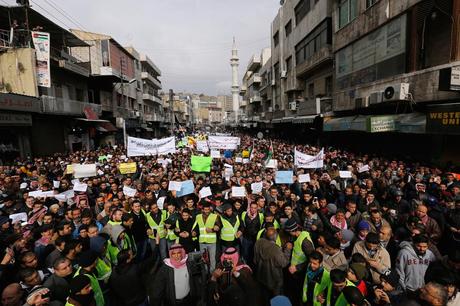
x=138, y=114
x=396, y=92
x=375, y=97
x=361, y=102
x=293, y=106
x=262, y=114
x=283, y=74
x=270, y=109
x=273, y=82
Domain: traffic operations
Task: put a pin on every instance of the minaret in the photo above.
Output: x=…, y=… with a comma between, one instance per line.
x=234, y=62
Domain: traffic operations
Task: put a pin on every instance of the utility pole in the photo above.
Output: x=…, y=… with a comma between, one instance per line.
x=171, y=111
x=122, y=99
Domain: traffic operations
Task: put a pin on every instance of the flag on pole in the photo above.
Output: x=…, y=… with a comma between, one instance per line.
x=251, y=152
x=269, y=154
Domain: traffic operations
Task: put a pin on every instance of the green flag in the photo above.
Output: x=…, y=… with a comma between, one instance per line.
x=201, y=163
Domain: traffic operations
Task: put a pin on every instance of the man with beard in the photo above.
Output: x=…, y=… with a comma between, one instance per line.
x=81, y=292
x=412, y=262
x=186, y=231
x=58, y=283
x=432, y=294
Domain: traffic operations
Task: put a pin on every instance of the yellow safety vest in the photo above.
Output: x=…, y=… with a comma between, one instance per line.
x=243, y=218
x=170, y=235
x=319, y=287
x=160, y=228
x=341, y=300
x=206, y=237
x=98, y=295
x=228, y=232
x=298, y=256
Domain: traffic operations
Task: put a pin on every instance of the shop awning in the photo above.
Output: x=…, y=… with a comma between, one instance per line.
x=106, y=127
x=345, y=124
x=304, y=119
x=91, y=120
x=414, y=123
x=287, y=119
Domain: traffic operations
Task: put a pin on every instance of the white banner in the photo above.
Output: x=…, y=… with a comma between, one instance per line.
x=145, y=147
x=223, y=142
x=306, y=161
x=202, y=146
x=41, y=42
x=165, y=145
x=86, y=170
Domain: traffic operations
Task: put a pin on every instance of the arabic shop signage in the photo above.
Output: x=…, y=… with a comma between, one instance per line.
x=378, y=124
x=443, y=119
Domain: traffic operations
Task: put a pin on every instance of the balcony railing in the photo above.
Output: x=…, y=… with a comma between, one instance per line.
x=152, y=98
x=255, y=98
x=147, y=76
x=63, y=106
x=154, y=117
x=254, y=63
x=254, y=79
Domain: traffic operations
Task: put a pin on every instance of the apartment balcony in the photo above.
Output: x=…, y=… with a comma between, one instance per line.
x=70, y=63
x=320, y=59
x=254, y=79
x=146, y=60
x=63, y=106
x=153, y=117
x=152, y=98
x=151, y=79
x=243, y=90
x=255, y=98
x=243, y=103
x=126, y=113
x=254, y=63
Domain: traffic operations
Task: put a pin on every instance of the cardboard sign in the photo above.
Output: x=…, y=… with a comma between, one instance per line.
x=129, y=192
x=215, y=153
x=284, y=177
x=304, y=178
x=256, y=187
x=238, y=192
x=127, y=168
x=187, y=187
x=205, y=192
x=174, y=186
x=86, y=170
x=345, y=174
x=363, y=169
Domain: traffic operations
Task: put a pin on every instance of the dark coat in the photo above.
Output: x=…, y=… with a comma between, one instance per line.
x=59, y=287
x=162, y=290
x=127, y=284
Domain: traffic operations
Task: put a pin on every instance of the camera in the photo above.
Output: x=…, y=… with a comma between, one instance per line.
x=227, y=266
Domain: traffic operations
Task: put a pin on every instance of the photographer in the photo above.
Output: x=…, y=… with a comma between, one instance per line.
x=231, y=283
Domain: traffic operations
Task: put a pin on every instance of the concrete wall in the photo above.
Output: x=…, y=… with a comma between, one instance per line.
x=18, y=73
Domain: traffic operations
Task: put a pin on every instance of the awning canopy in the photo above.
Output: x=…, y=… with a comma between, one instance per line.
x=91, y=120
x=304, y=119
x=106, y=127
x=403, y=123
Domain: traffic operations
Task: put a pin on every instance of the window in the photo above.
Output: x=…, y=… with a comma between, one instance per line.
x=313, y=42
x=311, y=90
x=80, y=96
x=288, y=28
x=276, y=39
x=301, y=10
x=370, y=3
x=289, y=63
x=347, y=11
x=328, y=86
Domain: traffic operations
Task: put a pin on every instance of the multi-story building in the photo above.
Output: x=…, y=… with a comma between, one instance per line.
x=397, y=67
x=301, y=60
x=250, y=89
x=151, y=85
x=45, y=105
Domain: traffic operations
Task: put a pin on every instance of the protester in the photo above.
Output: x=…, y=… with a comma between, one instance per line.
x=388, y=235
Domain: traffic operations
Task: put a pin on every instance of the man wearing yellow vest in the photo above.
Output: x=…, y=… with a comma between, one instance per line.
x=302, y=247
x=231, y=229
x=316, y=280
x=87, y=262
x=155, y=219
x=208, y=225
x=333, y=296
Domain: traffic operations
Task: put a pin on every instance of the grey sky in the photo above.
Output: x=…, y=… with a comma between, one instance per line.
x=190, y=40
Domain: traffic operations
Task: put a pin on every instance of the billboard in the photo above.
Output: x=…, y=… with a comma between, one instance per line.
x=41, y=42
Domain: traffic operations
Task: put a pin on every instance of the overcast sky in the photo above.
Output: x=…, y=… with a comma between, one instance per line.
x=190, y=40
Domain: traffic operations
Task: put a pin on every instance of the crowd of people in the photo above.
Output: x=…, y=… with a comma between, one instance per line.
x=388, y=234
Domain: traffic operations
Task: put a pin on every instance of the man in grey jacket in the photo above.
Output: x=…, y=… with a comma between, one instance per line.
x=412, y=262
x=270, y=259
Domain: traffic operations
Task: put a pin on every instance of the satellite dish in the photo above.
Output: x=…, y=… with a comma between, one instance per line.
x=260, y=135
